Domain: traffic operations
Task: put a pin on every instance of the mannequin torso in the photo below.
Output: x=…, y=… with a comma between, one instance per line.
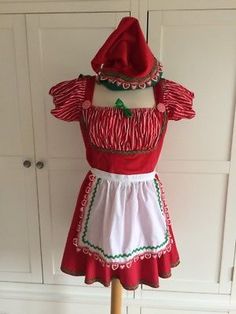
x=103, y=97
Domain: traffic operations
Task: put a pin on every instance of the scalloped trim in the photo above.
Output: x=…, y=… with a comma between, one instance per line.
x=133, y=83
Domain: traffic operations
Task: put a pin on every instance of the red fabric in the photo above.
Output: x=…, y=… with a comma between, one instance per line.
x=125, y=52
x=146, y=270
x=119, y=163
x=71, y=99
x=179, y=101
x=69, y=96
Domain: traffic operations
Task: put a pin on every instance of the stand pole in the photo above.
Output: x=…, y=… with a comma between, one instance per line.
x=116, y=296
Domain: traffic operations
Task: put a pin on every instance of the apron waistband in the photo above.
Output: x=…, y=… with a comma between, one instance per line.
x=123, y=177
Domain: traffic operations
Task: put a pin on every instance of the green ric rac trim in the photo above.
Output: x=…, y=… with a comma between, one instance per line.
x=125, y=254
x=158, y=195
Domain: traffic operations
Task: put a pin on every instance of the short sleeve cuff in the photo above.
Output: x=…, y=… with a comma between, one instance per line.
x=67, y=98
x=178, y=101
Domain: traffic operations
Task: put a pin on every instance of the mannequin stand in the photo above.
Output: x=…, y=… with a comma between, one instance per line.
x=116, y=296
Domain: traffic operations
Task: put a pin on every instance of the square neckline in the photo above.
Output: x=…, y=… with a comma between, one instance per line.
x=92, y=89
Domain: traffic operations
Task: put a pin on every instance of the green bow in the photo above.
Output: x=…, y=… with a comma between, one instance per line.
x=120, y=105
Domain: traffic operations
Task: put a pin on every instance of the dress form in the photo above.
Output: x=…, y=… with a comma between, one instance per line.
x=104, y=97
x=121, y=147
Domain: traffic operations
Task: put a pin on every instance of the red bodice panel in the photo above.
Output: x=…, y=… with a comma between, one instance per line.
x=114, y=142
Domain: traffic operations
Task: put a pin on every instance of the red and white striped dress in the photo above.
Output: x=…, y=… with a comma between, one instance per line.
x=121, y=227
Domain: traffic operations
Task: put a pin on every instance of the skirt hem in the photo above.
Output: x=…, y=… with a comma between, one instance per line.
x=108, y=283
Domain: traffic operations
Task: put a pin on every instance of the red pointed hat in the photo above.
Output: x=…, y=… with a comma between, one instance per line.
x=125, y=58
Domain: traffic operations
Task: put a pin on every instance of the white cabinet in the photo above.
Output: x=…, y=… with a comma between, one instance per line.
x=197, y=165
x=198, y=49
x=20, y=258
x=60, y=47
x=57, y=46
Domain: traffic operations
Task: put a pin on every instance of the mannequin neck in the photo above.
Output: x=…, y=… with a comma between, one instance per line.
x=104, y=97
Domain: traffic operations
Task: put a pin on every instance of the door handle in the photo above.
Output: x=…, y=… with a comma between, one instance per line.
x=39, y=164
x=27, y=163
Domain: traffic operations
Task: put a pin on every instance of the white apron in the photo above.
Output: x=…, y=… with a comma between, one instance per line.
x=124, y=217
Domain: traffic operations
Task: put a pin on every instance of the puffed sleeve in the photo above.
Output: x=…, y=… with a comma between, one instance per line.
x=178, y=100
x=68, y=97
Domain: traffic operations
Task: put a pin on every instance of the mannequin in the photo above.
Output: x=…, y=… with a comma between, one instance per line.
x=103, y=97
x=121, y=230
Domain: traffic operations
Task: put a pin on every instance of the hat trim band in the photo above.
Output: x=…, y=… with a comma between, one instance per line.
x=125, y=82
x=104, y=75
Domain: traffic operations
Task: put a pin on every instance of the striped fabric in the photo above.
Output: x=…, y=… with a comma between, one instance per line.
x=108, y=128
x=178, y=101
x=67, y=98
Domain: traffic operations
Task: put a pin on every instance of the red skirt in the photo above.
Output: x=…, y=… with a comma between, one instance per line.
x=143, y=268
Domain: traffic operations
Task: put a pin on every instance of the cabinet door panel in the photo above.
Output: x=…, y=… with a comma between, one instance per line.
x=61, y=47
x=198, y=50
x=19, y=227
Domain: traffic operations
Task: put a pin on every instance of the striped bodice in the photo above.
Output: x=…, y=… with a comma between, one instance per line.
x=111, y=138
x=109, y=129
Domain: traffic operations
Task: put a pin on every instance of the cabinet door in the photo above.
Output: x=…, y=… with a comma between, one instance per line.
x=61, y=47
x=20, y=258
x=198, y=163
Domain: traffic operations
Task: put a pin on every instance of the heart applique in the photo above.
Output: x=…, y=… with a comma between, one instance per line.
x=114, y=266
x=126, y=85
x=92, y=177
x=84, y=202
x=159, y=254
x=85, y=251
x=136, y=258
x=142, y=86
x=133, y=86
x=75, y=240
x=168, y=248
x=148, y=255
x=87, y=190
